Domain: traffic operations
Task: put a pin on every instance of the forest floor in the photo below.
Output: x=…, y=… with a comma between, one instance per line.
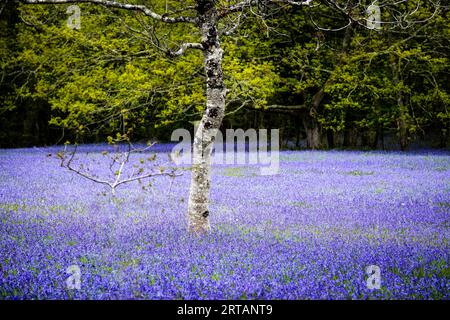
x=309, y=232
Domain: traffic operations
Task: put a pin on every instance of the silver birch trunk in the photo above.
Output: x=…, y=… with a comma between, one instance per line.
x=198, y=205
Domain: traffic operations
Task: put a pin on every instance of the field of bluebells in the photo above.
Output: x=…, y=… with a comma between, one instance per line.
x=307, y=233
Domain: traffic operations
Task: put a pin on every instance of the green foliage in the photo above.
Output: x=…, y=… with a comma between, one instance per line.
x=110, y=76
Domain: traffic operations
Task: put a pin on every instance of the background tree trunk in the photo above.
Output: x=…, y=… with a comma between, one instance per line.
x=313, y=132
x=312, y=126
x=330, y=139
x=402, y=119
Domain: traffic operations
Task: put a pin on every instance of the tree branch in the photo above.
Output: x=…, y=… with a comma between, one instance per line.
x=148, y=175
x=184, y=47
x=248, y=3
x=283, y=107
x=115, y=4
x=121, y=159
x=3, y=6
x=79, y=172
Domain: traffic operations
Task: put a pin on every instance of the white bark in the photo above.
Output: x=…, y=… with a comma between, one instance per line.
x=198, y=206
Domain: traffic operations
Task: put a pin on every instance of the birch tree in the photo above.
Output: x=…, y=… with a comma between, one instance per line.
x=214, y=19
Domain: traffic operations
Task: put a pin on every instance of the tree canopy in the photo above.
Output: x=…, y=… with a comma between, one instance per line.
x=294, y=69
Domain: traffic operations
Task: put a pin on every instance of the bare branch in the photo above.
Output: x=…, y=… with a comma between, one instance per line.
x=353, y=11
x=126, y=6
x=295, y=3
x=148, y=175
x=240, y=6
x=184, y=47
x=3, y=6
x=283, y=107
x=120, y=159
x=68, y=165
